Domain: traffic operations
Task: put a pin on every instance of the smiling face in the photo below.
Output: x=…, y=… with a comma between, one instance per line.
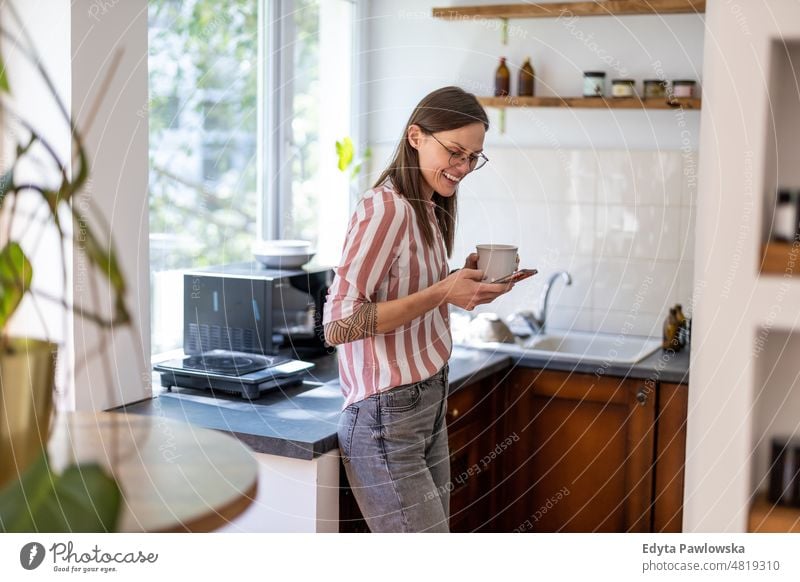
x=438, y=173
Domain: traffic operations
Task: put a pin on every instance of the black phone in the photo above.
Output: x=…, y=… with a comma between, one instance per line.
x=516, y=276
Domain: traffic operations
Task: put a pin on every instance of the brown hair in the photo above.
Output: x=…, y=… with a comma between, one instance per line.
x=444, y=109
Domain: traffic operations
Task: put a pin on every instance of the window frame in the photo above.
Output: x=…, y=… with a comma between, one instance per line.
x=276, y=31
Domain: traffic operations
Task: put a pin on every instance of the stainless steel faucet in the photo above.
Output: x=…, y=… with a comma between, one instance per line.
x=537, y=324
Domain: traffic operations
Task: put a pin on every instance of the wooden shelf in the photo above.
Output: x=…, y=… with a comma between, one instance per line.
x=589, y=102
x=780, y=258
x=556, y=9
x=765, y=517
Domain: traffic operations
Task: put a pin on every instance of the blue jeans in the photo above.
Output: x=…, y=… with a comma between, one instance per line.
x=395, y=454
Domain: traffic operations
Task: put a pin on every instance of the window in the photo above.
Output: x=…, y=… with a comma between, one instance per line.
x=247, y=99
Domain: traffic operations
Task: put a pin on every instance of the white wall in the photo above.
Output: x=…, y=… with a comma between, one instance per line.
x=31, y=100
x=606, y=195
x=117, y=144
x=78, y=41
x=741, y=386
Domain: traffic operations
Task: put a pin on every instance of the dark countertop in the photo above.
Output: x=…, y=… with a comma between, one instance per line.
x=300, y=422
x=659, y=367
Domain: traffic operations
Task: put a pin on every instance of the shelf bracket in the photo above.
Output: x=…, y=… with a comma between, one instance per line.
x=504, y=30
x=501, y=120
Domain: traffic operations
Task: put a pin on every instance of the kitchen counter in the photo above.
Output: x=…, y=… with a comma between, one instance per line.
x=297, y=422
x=300, y=422
x=658, y=367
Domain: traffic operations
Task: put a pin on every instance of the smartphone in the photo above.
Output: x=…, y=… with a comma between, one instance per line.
x=516, y=276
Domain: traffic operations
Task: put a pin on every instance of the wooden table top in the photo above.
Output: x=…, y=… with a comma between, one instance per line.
x=174, y=477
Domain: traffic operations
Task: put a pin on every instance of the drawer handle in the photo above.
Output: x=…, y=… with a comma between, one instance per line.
x=641, y=397
x=454, y=412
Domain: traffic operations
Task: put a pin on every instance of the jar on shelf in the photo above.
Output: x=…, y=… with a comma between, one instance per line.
x=683, y=89
x=594, y=84
x=623, y=88
x=785, y=226
x=655, y=89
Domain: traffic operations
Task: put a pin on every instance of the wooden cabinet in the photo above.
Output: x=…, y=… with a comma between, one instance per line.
x=472, y=430
x=472, y=420
x=547, y=451
x=670, y=458
x=584, y=461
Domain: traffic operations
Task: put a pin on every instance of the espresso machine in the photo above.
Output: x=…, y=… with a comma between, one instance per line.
x=247, y=328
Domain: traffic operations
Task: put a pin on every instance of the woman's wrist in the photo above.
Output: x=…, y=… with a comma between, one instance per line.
x=437, y=294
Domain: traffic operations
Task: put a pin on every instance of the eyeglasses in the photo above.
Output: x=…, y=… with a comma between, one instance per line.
x=474, y=161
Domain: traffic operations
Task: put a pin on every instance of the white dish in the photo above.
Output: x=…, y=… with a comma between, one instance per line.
x=283, y=254
x=284, y=261
x=281, y=247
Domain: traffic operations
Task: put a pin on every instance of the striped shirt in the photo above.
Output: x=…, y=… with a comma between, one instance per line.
x=385, y=257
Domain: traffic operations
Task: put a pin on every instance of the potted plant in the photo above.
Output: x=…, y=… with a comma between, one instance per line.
x=32, y=496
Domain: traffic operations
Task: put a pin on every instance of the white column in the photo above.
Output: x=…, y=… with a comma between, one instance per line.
x=104, y=33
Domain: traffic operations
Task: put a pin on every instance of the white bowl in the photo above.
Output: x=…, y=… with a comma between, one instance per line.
x=283, y=254
x=284, y=261
x=281, y=247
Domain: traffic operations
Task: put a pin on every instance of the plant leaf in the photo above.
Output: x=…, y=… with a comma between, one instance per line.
x=16, y=273
x=344, y=149
x=82, y=499
x=19, y=494
x=104, y=259
x=3, y=76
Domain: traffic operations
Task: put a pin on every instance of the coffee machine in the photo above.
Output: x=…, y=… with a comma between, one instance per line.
x=247, y=307
x=247, y=328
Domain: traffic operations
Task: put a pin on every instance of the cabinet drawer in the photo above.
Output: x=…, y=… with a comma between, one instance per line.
x=471, y=404
x=471, y=481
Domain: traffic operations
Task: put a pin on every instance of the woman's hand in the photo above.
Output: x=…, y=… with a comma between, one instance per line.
x=464, y=288
x=472, y=261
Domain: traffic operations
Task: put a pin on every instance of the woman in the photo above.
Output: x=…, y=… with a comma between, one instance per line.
x=388, y=310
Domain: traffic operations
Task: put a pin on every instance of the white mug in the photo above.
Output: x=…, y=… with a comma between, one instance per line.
x=496, y=260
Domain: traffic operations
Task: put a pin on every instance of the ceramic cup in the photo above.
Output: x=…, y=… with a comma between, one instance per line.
x=496, y=260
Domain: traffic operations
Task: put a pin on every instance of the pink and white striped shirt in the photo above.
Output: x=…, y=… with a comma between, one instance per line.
x=385, y=257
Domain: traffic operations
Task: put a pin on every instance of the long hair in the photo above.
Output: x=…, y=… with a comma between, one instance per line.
x=444, y=109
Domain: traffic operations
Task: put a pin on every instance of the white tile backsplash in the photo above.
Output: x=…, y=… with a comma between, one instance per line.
x=686, y=286
x=616, y=182
x=636, y=286
x=658, y=177
x=658, y=232
x=571, y=318
x=686, y=238
x=627, y=322
x=621, y=222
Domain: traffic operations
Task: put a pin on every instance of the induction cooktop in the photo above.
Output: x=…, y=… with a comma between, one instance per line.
x=232, y=372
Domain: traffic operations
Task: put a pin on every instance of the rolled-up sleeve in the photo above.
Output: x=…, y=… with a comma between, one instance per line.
x=371, y=246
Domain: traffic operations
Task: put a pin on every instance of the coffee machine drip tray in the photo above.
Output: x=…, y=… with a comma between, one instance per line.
x=232, y=372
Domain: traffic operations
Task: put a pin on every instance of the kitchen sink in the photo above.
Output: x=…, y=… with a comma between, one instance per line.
x=578, y=346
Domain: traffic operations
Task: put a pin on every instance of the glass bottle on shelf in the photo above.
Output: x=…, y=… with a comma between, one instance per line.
x=502, y=80
x=525, y=86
